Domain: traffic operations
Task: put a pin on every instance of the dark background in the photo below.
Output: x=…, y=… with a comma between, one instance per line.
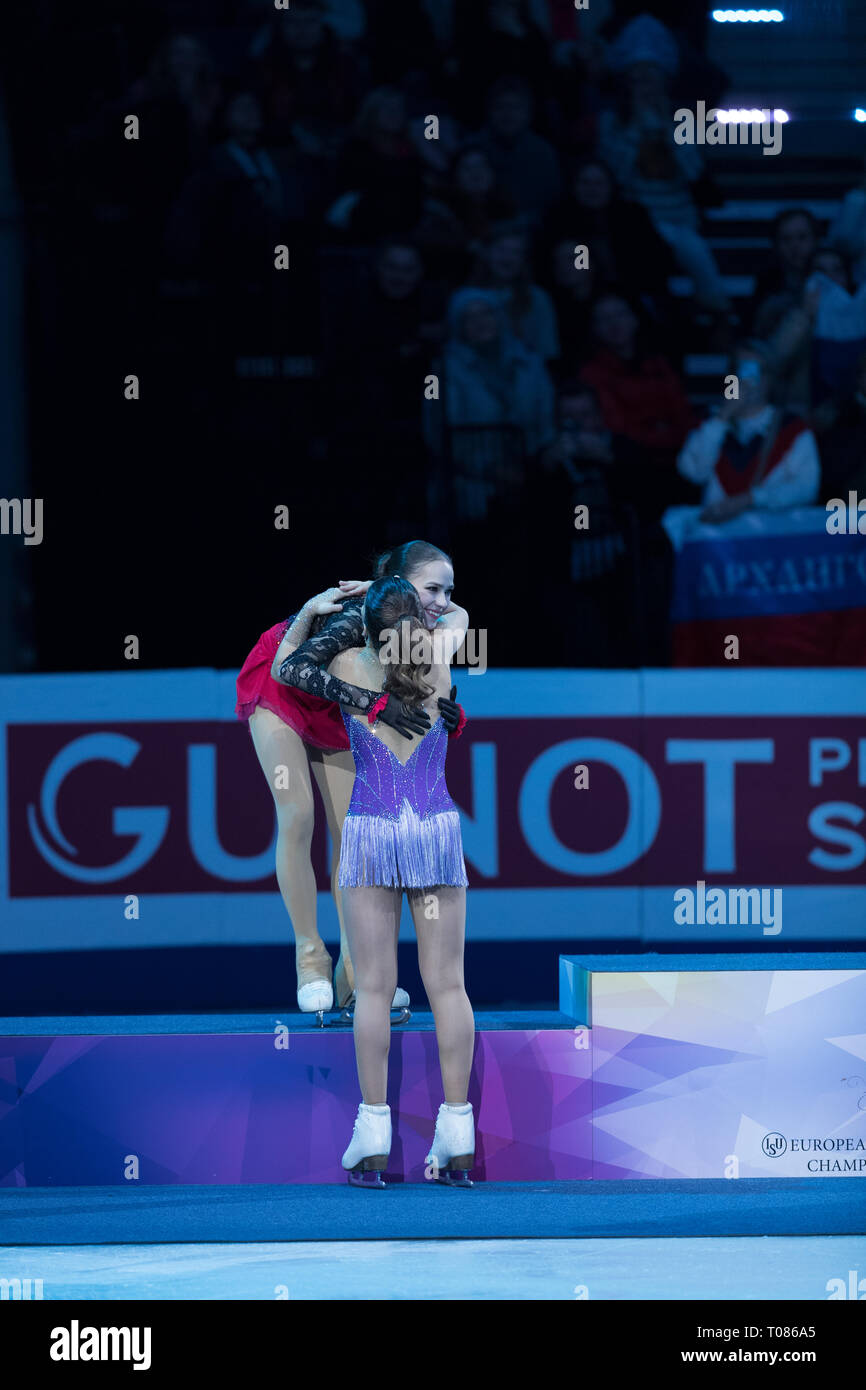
x=304, y=388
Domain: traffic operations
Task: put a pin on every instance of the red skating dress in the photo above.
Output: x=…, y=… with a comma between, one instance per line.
x=318, y=722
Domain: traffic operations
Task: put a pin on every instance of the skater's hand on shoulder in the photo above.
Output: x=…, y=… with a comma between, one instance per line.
x=450, y=710
x=406, y=719
x=354, y=588
x=328, y=601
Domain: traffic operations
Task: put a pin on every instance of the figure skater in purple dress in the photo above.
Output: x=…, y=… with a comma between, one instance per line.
x=402, y=835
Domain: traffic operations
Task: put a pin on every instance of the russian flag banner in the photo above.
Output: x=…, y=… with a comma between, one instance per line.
x=792, y=591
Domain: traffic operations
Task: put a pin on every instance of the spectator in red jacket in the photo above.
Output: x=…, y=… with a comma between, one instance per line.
x=641, y=395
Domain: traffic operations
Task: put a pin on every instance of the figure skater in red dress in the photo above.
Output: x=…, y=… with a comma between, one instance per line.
x=294, y=711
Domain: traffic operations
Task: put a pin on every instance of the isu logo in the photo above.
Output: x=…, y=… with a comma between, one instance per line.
x=774, y=1145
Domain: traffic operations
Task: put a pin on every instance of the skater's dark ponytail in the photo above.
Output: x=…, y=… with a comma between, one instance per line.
x=394, y=620
x=405, y=560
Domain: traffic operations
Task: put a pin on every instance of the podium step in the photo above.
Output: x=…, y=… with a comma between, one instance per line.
x=656, y=1067
x=272, y=1100
x=732, y=1065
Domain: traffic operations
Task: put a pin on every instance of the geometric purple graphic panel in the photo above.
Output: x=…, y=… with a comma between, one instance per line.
x=729, y=1073
x=237, y=1108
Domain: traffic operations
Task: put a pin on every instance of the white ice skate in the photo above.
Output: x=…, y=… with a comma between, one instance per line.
x=316, y=997
x=452, y=1152
x=367, y=1155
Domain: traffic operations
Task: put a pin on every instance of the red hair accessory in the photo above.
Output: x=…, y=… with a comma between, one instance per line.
x=461, y=724
x=375, y=710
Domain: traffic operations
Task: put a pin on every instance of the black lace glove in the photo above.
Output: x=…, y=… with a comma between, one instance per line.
x=450, y=711
x=406, y=719
x=303, y=669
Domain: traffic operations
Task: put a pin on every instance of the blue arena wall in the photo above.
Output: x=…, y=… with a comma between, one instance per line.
x=657, y=810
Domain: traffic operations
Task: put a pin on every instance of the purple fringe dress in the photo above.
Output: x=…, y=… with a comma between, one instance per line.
x=402, y=829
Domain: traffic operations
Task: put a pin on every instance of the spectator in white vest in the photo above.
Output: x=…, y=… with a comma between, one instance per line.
x=751, y=453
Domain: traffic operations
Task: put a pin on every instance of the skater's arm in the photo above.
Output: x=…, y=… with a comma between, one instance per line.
x=304, y=669
x=455, y=616
x=298, y=629
x=451, y=631
x=302, y=663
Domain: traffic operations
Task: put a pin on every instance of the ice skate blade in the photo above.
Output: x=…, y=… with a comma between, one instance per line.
x=347, y=1016
x=456, y=1174
x=368, y=1173
x=370, y=1180
x=456, y=1177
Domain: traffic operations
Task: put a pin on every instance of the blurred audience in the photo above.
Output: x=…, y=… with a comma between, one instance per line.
x=526, y=164
x=500, y=38
x=795, y=237
x=848, y=231
x=380, y=174
x=503, y=265
x=843, y=444
x=478, y=199
x=642, y=396
x=751, y=453
x=473, y=205
x=637, y=140
x=572, y=286
x=489, y=378
x=308, y=81
x=817, y=343
x=595, y=215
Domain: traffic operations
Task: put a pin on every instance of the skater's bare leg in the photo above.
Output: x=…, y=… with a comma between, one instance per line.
x=439, y=915
x=278, y=746
x=372, y=926
x=334, y=772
